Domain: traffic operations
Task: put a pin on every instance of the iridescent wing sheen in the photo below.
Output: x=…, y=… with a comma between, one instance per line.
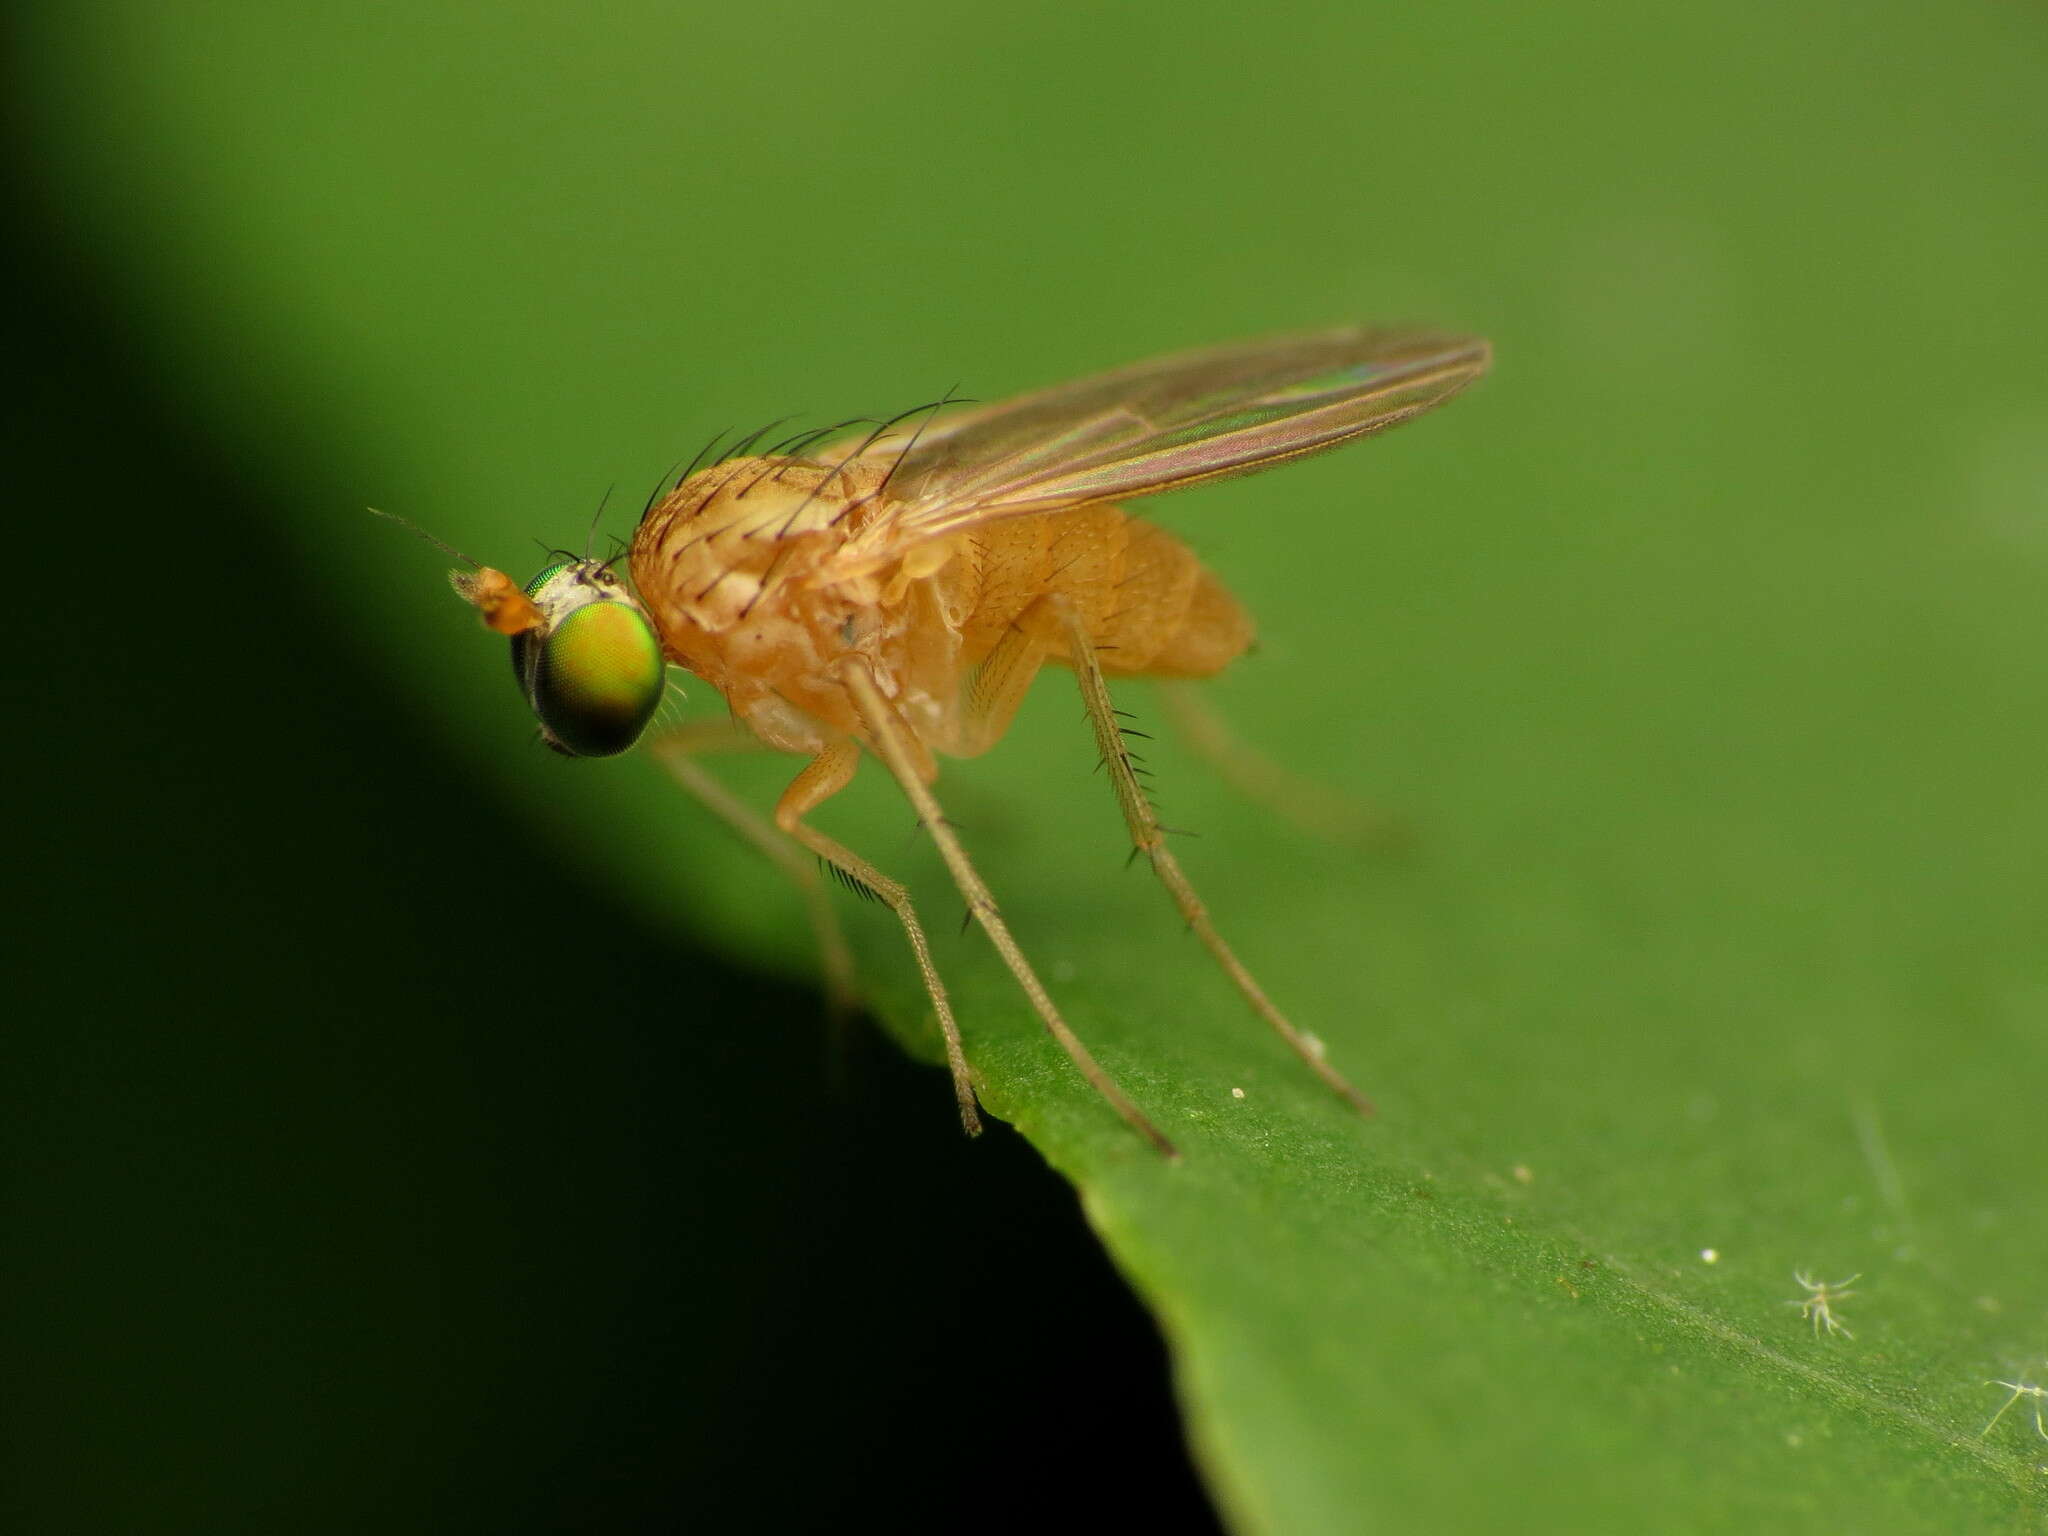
x=1170, y=422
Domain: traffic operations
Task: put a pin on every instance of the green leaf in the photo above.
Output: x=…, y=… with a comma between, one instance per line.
x=1699, y=653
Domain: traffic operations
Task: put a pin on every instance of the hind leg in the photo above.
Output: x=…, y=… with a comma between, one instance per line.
x=1314, y=807
x=1149, y=838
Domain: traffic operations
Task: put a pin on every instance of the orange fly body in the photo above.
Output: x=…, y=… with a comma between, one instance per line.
x=897, y=593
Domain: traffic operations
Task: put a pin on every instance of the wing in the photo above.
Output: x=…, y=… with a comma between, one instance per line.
x=1171, y=422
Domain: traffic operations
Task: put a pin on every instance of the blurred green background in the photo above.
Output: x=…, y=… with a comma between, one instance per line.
x=411, y=1128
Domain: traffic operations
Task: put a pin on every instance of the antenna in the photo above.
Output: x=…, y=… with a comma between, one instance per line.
x=418, y=532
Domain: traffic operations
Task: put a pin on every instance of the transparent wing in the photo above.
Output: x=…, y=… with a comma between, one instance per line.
x=1168, y=423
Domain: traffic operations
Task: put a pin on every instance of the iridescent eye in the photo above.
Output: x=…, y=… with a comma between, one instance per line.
x=594, y=671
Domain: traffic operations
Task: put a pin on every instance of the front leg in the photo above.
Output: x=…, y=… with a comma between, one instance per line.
x=822, y=778
x=678, y=751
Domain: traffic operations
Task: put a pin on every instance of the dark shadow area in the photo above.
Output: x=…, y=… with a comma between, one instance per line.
x=351, y=1186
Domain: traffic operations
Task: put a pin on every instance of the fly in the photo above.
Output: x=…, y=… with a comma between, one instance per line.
x=894, y=594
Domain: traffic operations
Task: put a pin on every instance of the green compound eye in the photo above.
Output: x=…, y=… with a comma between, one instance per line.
x=594, y=674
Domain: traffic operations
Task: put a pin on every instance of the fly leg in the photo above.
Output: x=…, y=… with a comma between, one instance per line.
x=822, y=778
x=1313, y=807
x=678, y=751
x=893, y=746
x=998, y=684
x=1149, y=838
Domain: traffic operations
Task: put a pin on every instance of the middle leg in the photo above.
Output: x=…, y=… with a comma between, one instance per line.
x=894, y=749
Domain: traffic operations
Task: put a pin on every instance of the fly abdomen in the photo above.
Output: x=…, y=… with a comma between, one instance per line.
x=1152, y=608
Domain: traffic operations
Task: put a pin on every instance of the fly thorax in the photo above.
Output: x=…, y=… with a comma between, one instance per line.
x=736, y=567
x=736, y=537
